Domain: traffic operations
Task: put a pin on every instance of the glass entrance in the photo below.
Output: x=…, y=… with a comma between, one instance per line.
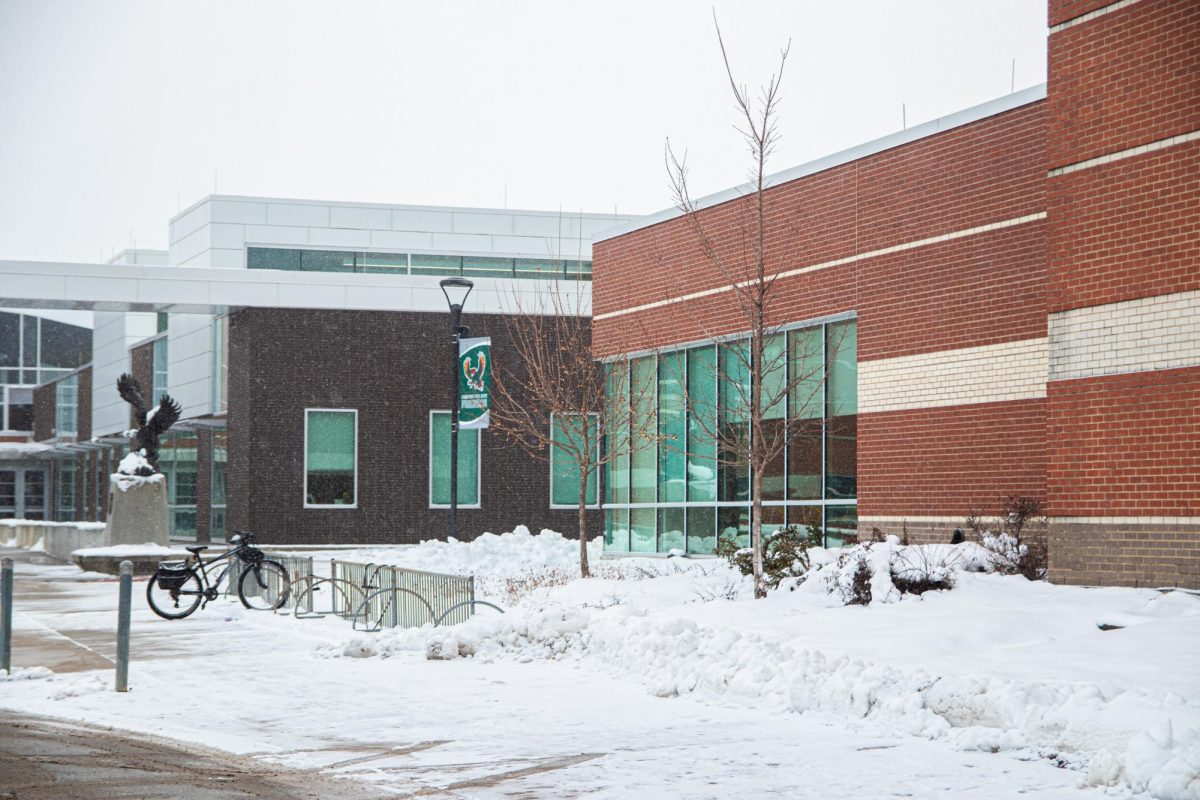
x=22, y=493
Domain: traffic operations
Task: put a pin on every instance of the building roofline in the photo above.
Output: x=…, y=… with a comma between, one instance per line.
x=956, y=119
x=406, y=206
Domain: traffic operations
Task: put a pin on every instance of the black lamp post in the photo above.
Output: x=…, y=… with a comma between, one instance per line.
x=456, y=291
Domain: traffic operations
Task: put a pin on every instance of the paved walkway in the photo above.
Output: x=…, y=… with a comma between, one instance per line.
x=43, y=759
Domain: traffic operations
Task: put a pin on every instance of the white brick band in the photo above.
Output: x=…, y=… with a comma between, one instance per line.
x=1150, y=147
x=988, y=374
x=916, y=520
x=1127, y=520
x=1091, y=15
x=945, y=237
x=1132, y=336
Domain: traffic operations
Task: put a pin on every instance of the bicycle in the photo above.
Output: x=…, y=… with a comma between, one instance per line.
x=178, y=588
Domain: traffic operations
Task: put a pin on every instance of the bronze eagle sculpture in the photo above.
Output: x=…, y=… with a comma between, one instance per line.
x=152, y=422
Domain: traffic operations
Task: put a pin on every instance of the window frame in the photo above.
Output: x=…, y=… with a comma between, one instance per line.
x=61, y=406
x=825, y=503
x=304, y=479
x=478, y=467
x=595, y=472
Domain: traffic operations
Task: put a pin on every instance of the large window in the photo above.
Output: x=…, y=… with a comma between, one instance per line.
x=66, y=490
x=217, y=488
x=66, y=406
x=689, y=488
x=294, y=260
x=439, y=463
x=330, y=458
x=220, y=369
x=573, y=434
x=177, y=458
x=160, y=371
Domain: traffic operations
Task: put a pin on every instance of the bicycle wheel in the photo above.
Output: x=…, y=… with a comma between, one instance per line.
x=264, y=586
x=174, y=603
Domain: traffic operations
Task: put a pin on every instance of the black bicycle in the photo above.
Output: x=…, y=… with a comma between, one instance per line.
x=179, y=587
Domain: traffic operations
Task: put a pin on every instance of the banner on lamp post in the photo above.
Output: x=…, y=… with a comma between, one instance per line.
x=474, y=382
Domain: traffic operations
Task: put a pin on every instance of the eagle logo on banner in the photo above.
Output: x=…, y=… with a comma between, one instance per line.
x=474, y=372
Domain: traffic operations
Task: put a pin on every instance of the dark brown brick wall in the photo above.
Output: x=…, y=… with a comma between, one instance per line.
x=203, y=484
x=393, y=368
x=43, y=412
x=84, y=405
x=142, y=366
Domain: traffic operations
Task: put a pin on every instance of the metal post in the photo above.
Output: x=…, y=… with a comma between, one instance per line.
x=123, y=610
x=455, y=319
x=6, y=601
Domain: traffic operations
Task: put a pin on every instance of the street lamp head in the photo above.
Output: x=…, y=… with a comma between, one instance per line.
x=456, y=291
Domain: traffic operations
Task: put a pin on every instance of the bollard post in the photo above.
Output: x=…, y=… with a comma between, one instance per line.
x=123, y=610
x=6, y=603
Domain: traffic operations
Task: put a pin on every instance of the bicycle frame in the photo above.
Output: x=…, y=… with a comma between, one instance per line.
x=209, y=587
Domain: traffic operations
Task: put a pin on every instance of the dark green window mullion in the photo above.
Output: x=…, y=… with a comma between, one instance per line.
x=824, y=430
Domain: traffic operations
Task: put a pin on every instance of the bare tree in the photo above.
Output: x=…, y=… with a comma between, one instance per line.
x=553, y=398
x=766, y=377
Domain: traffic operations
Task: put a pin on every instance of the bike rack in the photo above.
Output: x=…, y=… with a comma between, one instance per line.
x=471, y=603
x=309, y=584
x=393, y=590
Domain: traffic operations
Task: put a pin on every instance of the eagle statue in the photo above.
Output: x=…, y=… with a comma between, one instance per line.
x=152, y=422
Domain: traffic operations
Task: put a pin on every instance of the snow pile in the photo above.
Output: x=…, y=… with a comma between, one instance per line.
x=26, y=674
x=998, y=664
x=41, y=523
x=147, y=549
x=1170, y=605
x=518, y=552
x=1134, y=739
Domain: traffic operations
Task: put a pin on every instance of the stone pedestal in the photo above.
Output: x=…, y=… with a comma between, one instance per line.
x=138, y=512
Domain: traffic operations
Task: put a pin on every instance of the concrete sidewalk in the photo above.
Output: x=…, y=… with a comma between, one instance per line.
x=38, y=645
x=44, y=759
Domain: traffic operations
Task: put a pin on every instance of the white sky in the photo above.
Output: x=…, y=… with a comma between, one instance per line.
x=113, y=115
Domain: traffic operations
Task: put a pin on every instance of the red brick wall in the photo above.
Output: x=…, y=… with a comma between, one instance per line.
x=948, y=461
x=1063, y=10
x=1125, y=445
x=1127, y=78
x=1127, y=229
x=989, y=171
x=978, y=290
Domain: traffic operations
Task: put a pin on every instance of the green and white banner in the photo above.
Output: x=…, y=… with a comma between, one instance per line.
x=474, y=382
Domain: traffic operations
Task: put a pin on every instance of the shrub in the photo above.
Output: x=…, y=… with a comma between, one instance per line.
x=1016, y=541
x=856, y=590
x=927, y=568
x=785, y=554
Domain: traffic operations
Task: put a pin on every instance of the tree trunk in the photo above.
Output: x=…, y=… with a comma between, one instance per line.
x=584, y=571
x=756, y=543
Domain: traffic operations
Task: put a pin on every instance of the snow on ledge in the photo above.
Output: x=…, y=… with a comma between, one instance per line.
x=147, y=549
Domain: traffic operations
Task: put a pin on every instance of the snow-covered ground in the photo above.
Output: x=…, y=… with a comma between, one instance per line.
x=662, y=678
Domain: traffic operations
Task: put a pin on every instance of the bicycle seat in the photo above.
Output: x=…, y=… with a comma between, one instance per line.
x=196, y=548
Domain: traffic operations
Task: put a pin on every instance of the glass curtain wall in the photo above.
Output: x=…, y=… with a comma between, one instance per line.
x=160, y=371
x=687, y=489
x=66, y=495
x=177, y=459
x=294, y=260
